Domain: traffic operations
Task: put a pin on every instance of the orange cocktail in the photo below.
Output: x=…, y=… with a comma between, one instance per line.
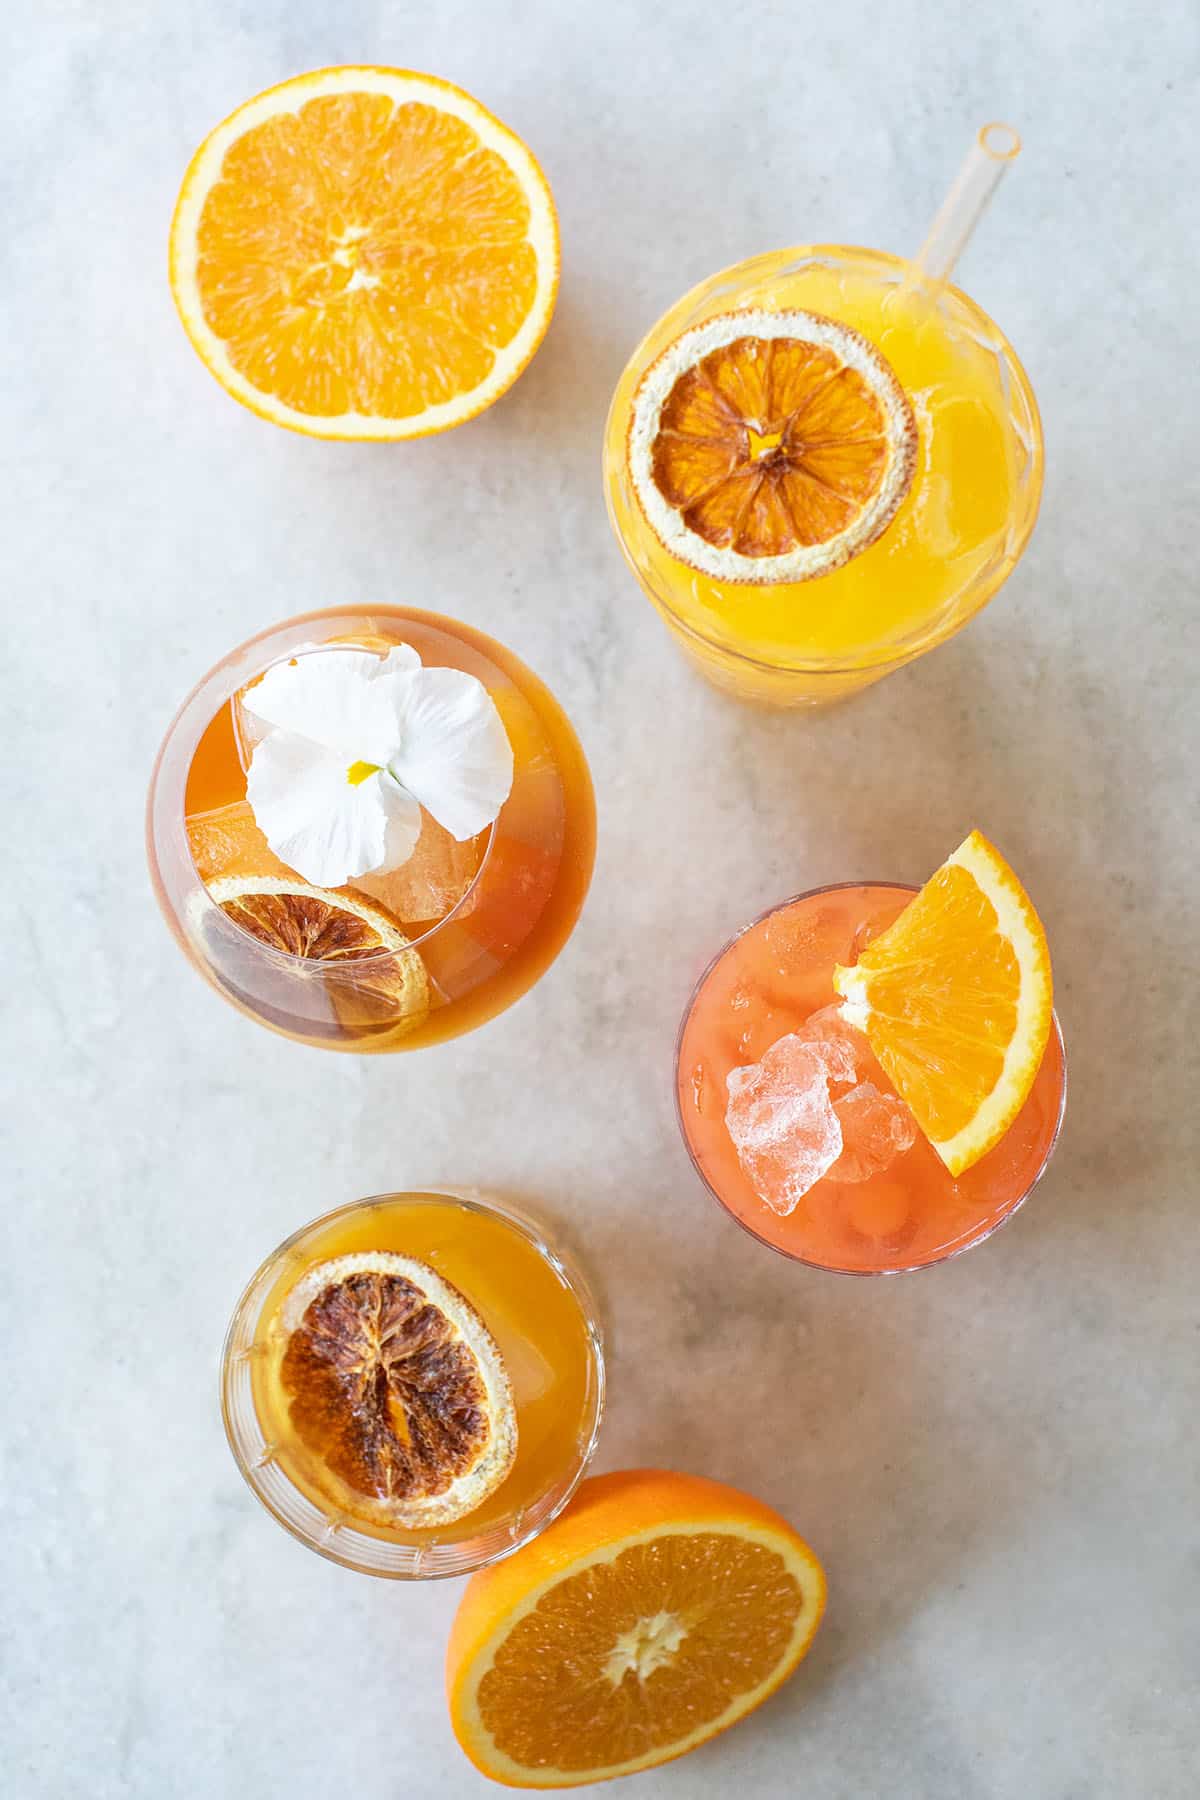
x=772, y=594
x=388, y=961
x=353, y=1407
x=887, y=1203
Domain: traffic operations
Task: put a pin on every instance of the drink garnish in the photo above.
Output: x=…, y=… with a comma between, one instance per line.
x=373, y=978
x=356, y=744
x=956, y=999
x=770, y=446
x=398, y=1389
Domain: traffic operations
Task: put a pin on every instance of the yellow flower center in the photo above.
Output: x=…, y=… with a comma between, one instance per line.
x=357, y=773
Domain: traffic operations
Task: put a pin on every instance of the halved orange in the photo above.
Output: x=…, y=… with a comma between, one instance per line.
x=656, y=1611
x=956, y=998
x=398, y=1390
x=364, y=253
x=770, y=446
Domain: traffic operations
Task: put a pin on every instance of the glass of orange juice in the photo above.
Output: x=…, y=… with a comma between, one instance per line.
x=380, y=961
x=885, y=1201
x=413, y=1384
x=821, y=462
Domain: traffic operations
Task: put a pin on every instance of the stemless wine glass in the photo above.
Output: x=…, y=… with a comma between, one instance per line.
x=391, y=963
x=539, y=1315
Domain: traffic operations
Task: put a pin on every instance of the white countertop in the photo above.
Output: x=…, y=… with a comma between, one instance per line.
x=998, y=1460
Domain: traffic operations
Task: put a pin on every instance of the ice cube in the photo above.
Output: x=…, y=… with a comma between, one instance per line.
x=754, y=1033
x=845, y=1050
x=227, y=841
x=799, y=934
x=433, y=880
x=865, y=932
x=782, y=1121
x=705, y=1094
x=882, y=1209
x=248, y=729
x=876, y=1129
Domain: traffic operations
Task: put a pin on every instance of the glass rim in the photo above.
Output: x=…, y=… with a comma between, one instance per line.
x=202, y=906
x=887, y=657
x=417, y=1561
x=809, y=1262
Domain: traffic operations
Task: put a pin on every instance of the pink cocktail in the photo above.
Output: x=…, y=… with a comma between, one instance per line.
x=887, y=1203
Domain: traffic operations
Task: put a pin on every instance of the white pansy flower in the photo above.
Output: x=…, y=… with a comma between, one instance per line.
x=355, y=745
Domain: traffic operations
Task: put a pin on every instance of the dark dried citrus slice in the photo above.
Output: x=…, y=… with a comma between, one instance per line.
x=770, y=446
x=396, y=1385
x=375, y=979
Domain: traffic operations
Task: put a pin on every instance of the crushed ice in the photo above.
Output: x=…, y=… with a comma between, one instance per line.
x=804, y=1112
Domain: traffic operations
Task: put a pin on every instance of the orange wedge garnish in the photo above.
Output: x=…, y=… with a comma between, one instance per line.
x=770, y=446
x=658, y=1610
x=364, y=253
x=956, y=999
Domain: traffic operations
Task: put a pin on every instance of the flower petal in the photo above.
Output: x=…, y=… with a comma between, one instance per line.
x=322, y=825
x=403, y=827
x=454, y=753
x=340, y=698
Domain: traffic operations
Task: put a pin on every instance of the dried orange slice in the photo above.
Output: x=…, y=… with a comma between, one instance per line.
x=374, y=978
x=397, y=1388
x=956, y=998
x=656, y=1611
x=770, y=446
x=364, y=253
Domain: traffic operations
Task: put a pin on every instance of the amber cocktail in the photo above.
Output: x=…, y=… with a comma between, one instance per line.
x=378, y=961
x=413, y=1384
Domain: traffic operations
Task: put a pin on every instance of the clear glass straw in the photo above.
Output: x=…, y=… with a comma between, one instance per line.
x=995, y=148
